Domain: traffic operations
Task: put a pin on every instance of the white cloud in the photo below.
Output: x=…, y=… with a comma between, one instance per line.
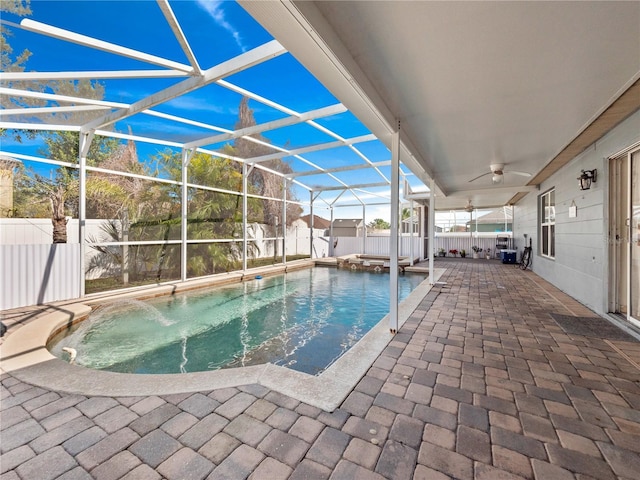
x=200, y=104
x=214, y=8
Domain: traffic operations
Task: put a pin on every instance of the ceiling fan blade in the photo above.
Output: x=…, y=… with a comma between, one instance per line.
x=483, y=175
x=522, y=174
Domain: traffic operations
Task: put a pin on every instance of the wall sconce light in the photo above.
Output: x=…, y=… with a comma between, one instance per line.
x=586, y=177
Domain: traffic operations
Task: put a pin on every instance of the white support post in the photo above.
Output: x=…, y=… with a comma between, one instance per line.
x=244, y=217
x=331, y=249
x=284, y=220
x=400, y=246
x=411, y=253
x=84, y=143
x=183, y=215
x=432, y=223
x=125, y=248
x=311, y=224
x=364, y=230
x=423, y=228
x=393, y=240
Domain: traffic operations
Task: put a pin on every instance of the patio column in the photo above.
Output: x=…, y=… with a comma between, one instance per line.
x=423, y=228
x=411, y=254
x=186, y=158
x=284, y=220
x=393, y=239
x=311, y=224
x=331, y=249
x=84, y=142
x=432, y=223
x=244, y=216
x=364, y=229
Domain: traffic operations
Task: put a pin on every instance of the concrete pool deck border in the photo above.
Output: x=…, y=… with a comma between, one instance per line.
x=25, y=356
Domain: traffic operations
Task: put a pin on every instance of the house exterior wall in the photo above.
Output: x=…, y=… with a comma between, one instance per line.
x=492, y=227
x=580, y=267
x=345, y=231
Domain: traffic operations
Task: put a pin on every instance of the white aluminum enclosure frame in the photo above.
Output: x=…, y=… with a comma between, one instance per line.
x=191, y=76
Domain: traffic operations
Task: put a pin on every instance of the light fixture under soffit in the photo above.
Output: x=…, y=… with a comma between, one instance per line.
x=586, y=177
x=497, y=177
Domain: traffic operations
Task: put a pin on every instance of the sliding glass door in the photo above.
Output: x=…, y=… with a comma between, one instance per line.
x=634, y=254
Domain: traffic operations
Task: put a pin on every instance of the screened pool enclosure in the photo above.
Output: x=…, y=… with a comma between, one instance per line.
x=142, y=168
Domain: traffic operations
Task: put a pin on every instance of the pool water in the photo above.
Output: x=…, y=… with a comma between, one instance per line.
x=303, y=320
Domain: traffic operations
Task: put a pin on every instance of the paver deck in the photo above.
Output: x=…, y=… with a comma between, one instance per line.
x=480, y=383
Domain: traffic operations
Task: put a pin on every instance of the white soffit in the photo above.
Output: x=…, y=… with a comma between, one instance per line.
x=473, y=83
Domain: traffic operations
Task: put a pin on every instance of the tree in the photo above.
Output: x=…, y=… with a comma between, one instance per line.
x=266, y=183
x=212, y=214
x=10, y=62
x=13, y=63
x=379, y=224
x=62, y=190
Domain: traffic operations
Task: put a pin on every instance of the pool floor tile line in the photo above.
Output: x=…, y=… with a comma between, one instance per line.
x=479, y=383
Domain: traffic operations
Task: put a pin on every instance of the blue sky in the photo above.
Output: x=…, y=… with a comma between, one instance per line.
x=216, y=31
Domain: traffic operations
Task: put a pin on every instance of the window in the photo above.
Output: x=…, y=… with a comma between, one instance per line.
x=547, y=243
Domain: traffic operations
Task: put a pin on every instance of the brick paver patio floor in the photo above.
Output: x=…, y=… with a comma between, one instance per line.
x=480, y=383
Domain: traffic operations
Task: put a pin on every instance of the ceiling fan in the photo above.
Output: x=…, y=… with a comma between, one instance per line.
x=469, y=206
x=498, y=171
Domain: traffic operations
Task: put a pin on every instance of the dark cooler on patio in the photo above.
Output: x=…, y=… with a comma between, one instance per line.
x=508, y=256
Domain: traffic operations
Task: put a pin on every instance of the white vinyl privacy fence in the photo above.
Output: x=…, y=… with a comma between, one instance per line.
x=34, y=271
x=376, y=246
x=465, y=241
x=36, y=274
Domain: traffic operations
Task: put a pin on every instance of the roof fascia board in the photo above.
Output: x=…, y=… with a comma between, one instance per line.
x=623, y=105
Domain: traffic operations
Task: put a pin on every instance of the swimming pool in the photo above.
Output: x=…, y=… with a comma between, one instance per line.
x=304, y=320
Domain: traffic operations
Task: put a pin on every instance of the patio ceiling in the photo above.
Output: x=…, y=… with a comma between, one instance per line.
x=525, y=84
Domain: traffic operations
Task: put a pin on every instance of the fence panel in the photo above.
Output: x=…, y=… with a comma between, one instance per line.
x=36, y=274
x=378, y=245
x=466, y=242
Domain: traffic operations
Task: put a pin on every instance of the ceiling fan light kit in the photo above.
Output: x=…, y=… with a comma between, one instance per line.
x=469, y=207
x=497, y=172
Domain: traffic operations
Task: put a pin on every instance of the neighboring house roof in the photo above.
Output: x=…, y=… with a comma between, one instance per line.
x=496, y=216
x=348, y=222
x=318, y=222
